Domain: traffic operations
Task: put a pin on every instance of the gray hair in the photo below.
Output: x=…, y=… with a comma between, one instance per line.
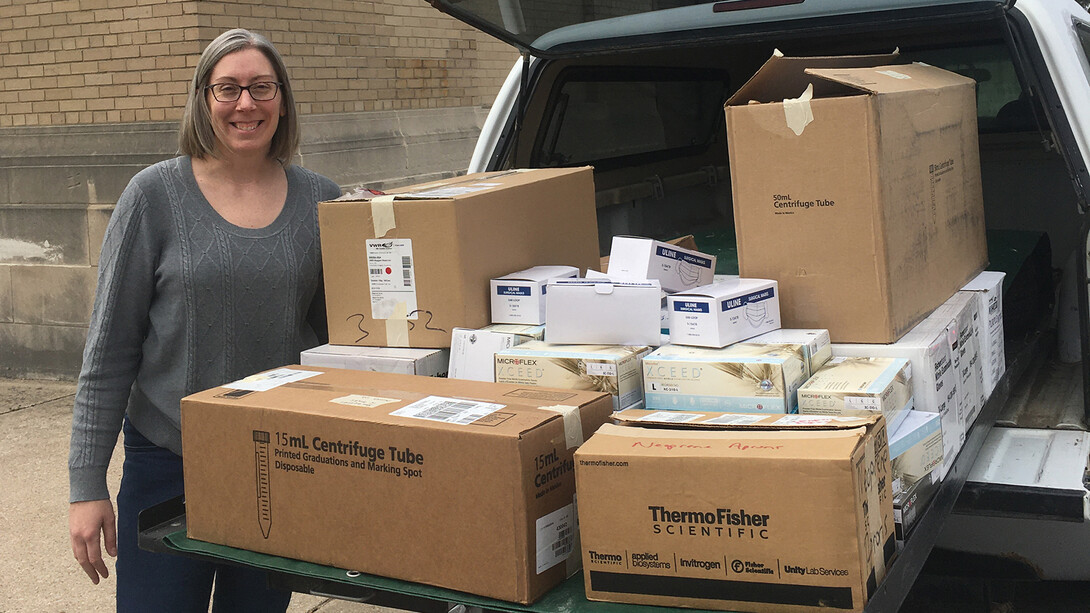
x=195, y=137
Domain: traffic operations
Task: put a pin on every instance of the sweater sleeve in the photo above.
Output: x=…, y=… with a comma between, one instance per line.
x=111, y=357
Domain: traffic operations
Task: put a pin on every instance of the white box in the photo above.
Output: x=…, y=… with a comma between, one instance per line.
x=989, y=319
x=719, y=314
x=859, y=386
x=519, y=298
x=613, y=369
x=963, y=308
x=603, y=311
x=815, y=342
x=935, y=380
x=676, y=268
x=741, y=378
x=403, y=360
x=915, y=449
x=473, y=352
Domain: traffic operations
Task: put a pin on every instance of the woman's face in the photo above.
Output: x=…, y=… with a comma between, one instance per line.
x=244, y=125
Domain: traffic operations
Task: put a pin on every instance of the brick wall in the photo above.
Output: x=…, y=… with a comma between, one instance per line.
x=67, y=62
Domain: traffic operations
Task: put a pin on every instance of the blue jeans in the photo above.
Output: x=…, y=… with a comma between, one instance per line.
x=170, y=583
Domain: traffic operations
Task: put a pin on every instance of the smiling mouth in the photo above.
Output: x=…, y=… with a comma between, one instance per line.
x=246, y=126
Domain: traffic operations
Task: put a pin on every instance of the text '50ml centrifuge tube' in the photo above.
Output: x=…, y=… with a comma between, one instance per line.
x=264, y=480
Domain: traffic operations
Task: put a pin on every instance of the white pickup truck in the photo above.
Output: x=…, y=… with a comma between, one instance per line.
x=636, y=89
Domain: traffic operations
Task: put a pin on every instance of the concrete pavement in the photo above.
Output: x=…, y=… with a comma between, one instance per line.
x=39, y=573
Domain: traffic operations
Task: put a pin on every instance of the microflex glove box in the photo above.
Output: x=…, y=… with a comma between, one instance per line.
x=741, y=378
x=699, y=514
x=613, y=369
x=675, y=267
x=519, y=298
x=989, y=327
x=719, y=314
x=915, y=449
x=404, y=360
x=473, y=352
x=859, y=386
x=815, y=343
x=604, y=311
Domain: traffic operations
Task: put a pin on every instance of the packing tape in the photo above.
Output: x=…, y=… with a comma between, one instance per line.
x=382, y=215
x=573, y=423
x=397, y=327
x=574, y=563
x=873, y=520
x=797, y=111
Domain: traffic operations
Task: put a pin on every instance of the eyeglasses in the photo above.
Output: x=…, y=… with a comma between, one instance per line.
x=230, y=92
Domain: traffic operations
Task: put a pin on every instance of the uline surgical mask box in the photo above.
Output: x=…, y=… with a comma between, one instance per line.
x=614, y=369
x=915, y=449
x=719, y=314
x=604, y=311
x=675, y=267
x=816, y=345
x=519, y=298
x=473, y=352
x=403, y=360
x=859, y=386
x=741, y=378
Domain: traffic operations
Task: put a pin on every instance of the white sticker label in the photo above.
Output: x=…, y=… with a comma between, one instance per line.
x=735, y=420
x=868, y=403
x=448, y=410
x=602, y=369
x=356, y=400
x=392, y=276
x=803, y=420
x=893, y=73
x=670, y=416
x=555, y=537
x=450, y=192
x=263, y=382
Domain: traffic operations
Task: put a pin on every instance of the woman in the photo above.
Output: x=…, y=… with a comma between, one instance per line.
x=210, y=271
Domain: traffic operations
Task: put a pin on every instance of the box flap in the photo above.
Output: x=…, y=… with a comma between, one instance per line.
x=890, y=79
x=739, y=421
x=785, y=77
x=454, y=188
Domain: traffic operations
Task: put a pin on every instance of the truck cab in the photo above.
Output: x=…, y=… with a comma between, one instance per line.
x=636, y=90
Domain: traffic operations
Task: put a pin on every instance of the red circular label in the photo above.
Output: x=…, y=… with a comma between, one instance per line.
x=389, y=270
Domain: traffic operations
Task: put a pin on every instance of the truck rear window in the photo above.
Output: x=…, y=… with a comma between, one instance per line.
x=614, y=116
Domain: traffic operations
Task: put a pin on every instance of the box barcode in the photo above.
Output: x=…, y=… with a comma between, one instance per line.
x=376, y=271
x=562, y=546
x=451, y=412
x=406, y=261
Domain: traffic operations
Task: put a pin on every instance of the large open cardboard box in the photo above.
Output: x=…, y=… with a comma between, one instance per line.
x=461, y=484
x=857, y=186
x=406, y=268
x=763, y=513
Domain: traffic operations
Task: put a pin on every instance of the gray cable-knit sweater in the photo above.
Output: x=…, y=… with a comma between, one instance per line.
x=187, y=301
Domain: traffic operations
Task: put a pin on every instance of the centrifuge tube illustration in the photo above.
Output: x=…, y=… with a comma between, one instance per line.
x=264, y=481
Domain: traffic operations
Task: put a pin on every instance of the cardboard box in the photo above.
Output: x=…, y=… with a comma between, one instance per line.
x=519, y=298
x=675, y=267
x=989, y=327
x=613, y=369
x=719, y=314
x=459, y=484
x=695, y=517
x=915, y=449
x=817, y=348
x=404, y=269
x=910, y=504
x=859, y=386
x=473, y=352
x=604, y=311
x=403, y=360
x=822, y=149
x=740, y=378
x=935, y=380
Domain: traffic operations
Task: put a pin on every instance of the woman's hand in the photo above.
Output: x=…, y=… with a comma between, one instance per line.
x=86, y=521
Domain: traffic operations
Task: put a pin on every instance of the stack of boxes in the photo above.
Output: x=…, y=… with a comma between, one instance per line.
x=893, y=342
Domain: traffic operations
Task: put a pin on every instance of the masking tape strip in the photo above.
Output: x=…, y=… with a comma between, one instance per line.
x=397, y=327
x=573, y=423
x=797, y=111
x=382, y=215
